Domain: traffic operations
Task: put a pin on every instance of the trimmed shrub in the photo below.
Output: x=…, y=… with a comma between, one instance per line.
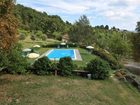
x=98, y=68
x=42, y=66
x=55, y=45
x=65, y=66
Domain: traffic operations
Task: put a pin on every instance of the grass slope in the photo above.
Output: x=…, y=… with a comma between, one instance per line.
x=50, y=90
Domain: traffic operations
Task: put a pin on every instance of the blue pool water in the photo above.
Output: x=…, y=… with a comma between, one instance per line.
x=60, y=53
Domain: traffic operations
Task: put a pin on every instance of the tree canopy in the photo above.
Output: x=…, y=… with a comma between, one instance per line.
x=138, y=27
x=30, y=19
x=8, y=24
x=81, y=32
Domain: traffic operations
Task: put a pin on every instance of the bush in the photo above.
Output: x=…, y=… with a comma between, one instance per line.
x=65, y=66
x=107, y=57
x=55, y=45
x=42, y=66
x=22, y=37
x=98, y=68
x=13, y=61
x=3, y=60
x=72, y=44
x=44, y=37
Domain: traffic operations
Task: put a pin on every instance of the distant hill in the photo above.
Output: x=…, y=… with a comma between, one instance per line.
x=30, y=19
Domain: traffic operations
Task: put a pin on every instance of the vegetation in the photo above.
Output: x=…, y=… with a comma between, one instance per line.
x=32, y=20
x=16, y=62
x=13, y=62
x=65, y=66
x=135, y=38
x=81, y=32
x=112, y=40
x=10, y=51
x=86, y=57
x=121, y=42
x=138, y=27
x=98, y=68
x=50, y=90
x=103, y=54
x=8, y=25
x=42, y=66
x=34, y=28
x=101, y=37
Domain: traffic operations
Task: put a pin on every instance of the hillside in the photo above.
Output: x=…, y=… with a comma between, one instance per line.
x=30, y=19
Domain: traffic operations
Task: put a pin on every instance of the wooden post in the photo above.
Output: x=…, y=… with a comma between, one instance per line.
x=55, y=73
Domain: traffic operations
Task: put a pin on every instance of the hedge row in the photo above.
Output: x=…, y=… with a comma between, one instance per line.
x=108, y=57
x=44, y=66
x=97, y=68
x=58, y=44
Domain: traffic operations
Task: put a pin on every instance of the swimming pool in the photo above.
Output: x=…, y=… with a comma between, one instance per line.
x=56, y=54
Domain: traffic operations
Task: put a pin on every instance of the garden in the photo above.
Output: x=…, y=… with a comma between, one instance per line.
x=93, y=74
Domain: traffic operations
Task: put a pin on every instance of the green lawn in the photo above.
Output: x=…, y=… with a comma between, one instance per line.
x=86, y=56
x=50, y=90
x=29, y=43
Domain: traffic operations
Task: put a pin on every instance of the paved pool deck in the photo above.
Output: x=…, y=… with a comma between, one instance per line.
x=78, y=55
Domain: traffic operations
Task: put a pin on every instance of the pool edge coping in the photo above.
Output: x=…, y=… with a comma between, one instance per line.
x=76, y=58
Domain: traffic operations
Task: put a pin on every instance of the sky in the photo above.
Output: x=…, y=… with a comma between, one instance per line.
x=122, y=14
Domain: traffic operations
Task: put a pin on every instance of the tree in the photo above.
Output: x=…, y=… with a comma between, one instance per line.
x=135, y=37
x=81, y=32
x=39, y=34
x=31, y=20
x=116, y=42
x=10, y=51
x=83, y=21
x=107, y=27
x=119, y=46
x=102, y=27
x=8, y=25
x=138, y=27
x=113, y=28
